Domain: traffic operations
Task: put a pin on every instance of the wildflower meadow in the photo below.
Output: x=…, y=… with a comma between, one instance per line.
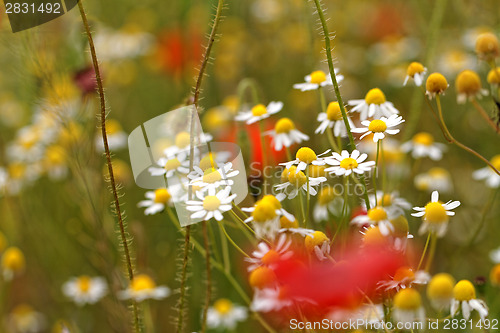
x=250, y=166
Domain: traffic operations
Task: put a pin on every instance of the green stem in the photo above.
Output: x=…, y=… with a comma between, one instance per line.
x=432, y=252
x=301, y=199
x=231, y=240
x=264, y=157
x=308, y=200
x=424, y=251
x=225, y=250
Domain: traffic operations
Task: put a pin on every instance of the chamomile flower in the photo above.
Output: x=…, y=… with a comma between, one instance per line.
x=440, y=291
x=487, y=46
x=117, y=138
x=259, y=112
x=143, y=287
x=487, y=174
x=24, y=319
x=493, y=77
x=436, y=84
x=375, y=216
x=298, y=181
x=85, y=289
x=268, y=256
x=464, y=297
x=332, y=118
x=170, y=164
x=392, y=203
x=265, y=216
x=495, y=256
x=328, y=202
x=211, y=205
x=468, y=86
x=408, y=306
x=213, y=177
x=318, y=79
x=374, y=105
x=285, y=134
x=157, y=201
x=270, y=299
x=435, y=215
x=292, y=227
x=319, y=244
x=405, y=277
x=415, y=71
x=55, y=162
x=13, y=263
x=379, y=127
x=344, y=164
x=305, y=156
x=422, y=145
x=436, y=179
x=225, y=314
x=401, y=233
x=495, y=275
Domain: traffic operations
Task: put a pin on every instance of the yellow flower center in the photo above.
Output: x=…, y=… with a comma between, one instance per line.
x=318, y=77
x=182, y=140
x=55, y=155
x=270, y=257
x=284, y=125
x=306, y=155
x=375, y=96
x=13, y=259
x=223, y=306
x=297, y=179
x=415, y=68
x=211, y=203
x=286, y=223
x=495, y=275
x=172, y=164
x=468, y=82
x=495, y=161
x=437, y=172
x=113, y=126
x=435, y=213
x=348, y=163
x=487, y=46
x=316, y=239
x=326, y=195
x=271, y=199
x=408, y=299
x=162, y=196
x=261, y=277
x=441, y=286
x=436, y=83
x=29, y=140
x=17, y=170
x=259, y=110
x=385, y=200
x=464, y=291
x=400, y=225
x=423, y=138
x=333, y=112
x=377, y=126
x=377, y=214
x=403, y=273
x=494, y=76
x=83, y=283
x=373, y=237
x=264, y=211
x=211, y=176
x=286, y=171
x=142, y=282
x=208, y=162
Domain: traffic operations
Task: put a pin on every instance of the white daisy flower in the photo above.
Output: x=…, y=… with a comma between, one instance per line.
x=379, y=127
x=24, y=319
x=491, y=177
x=211, y=205
x=285, y=134
x=28, y=145
x=213, y=178
x=435, y=215
x=319, y=244
x=268, y=256
x=270, y=299
x=344, y=164
x=225, y=314
x=422, y=145
x=157, y=201
x=170, y=164
x=259, y=112
x=415, y=71
x=392, y=203
x=304, y=157
x=374, y=105
x=405, y=277
x=182, y=141
x=318, y=79
x=465, y=298
x=332, y=118
x=298, y=181
x=468, y=86
x=85, y=289
x=117, y=138
x=408, y=307
x=375, y=216
x=143, y=287
x=436, y=179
